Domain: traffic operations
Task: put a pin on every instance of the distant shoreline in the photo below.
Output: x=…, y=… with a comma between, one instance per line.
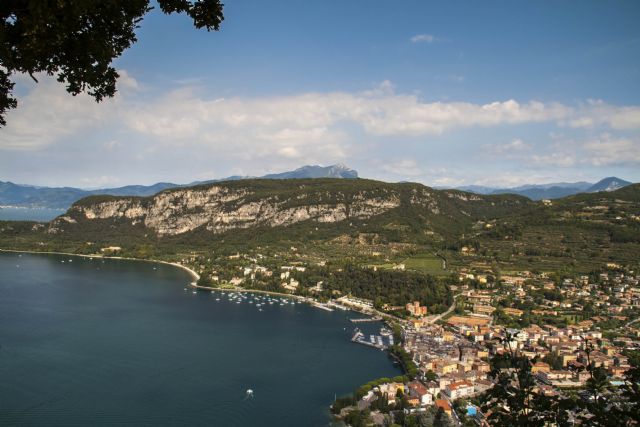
x=195, y=276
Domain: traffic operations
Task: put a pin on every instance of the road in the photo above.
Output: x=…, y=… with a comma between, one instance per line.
x=632, y=322
x=441, y=315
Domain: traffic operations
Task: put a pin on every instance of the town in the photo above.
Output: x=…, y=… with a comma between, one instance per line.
x=566, y=327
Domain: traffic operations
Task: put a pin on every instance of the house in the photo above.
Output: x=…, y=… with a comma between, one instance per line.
x=513, y=312
x=540, y=367
x=391, y=390
x=444, y=404
x=415, y=309
x=468, y=321
x=433, y=388
x=413, y=401
x=419, y=391
x=459, y=389
x=443, y=367
x=481, y=366
x=486, y=310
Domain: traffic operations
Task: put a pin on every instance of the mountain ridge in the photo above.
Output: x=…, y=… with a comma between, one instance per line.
x=551, y=190
x=25, y=195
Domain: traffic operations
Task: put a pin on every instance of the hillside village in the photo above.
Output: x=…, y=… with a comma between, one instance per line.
x=565, y=326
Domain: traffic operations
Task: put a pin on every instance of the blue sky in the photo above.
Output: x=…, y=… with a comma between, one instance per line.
x=446, y=93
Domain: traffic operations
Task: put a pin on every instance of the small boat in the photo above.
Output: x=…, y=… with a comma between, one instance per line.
x=385, y=332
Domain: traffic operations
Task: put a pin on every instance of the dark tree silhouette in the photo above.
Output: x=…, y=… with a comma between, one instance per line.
x=77, y=40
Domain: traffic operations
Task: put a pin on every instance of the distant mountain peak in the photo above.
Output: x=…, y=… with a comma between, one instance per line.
x=316, y=171
x=610, y=183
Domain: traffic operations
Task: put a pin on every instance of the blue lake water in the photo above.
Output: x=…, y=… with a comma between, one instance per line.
x=29, y=214
x=103, y=342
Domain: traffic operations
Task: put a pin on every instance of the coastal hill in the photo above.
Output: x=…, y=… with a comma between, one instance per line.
x=351, y=218
x=408, y=209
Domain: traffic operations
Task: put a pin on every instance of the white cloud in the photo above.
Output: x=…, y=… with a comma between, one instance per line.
x=48, y=114
x=598, y=113
x=559, y=159
x=602, y=150
x=403, y=167
x=424, y=38
x=316, y=119
x=280, y=132
x=607, y=150
x=516, y=146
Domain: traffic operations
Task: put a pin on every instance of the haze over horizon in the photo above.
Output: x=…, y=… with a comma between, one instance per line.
x=420, y=93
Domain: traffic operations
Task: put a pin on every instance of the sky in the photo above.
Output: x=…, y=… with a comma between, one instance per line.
x=497, y=93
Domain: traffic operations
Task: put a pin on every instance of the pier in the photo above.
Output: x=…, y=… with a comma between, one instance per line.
x=322, y=306
x=366, y=319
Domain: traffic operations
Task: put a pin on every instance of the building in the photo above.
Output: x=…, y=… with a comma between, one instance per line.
x=486, y=310
x=420, y=392
x=468, y=321
x=513, y=312
x=391, y=390
x=459, y=389
x=444, y=404
x=540, y=367
x=415, y=309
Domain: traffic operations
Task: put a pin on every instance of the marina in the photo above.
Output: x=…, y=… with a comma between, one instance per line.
x=375, y=341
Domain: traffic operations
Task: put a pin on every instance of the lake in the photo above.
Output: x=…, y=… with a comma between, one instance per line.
x=102, y=342
x=29, y=214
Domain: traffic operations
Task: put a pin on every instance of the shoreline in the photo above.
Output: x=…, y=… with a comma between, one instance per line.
x=195, y=276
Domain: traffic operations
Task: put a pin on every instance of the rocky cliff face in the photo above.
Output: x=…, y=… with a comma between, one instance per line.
x=219, y=208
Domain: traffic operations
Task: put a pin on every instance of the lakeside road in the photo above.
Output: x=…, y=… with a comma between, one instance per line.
x=195, y=276
x=449, y=310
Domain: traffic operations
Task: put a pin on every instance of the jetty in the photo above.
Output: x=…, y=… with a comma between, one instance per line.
x=366, y=320
x=322, y=306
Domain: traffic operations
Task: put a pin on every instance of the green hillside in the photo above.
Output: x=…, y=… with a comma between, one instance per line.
x=466, y=230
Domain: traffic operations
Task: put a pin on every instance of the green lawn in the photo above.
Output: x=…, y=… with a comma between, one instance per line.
x=426, y=263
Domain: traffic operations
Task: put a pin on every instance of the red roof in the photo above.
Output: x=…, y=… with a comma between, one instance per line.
x=442, y=403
